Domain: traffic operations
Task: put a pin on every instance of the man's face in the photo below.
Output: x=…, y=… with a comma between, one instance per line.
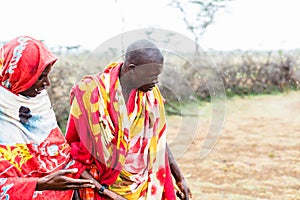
x=146, y=76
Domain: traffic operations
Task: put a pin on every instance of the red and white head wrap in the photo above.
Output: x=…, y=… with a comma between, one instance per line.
x=22, y=60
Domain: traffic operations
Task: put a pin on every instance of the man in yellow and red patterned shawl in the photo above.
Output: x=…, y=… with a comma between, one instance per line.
x=117, y=128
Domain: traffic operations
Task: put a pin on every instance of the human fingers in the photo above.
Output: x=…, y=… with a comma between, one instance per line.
x=184, y=195
x=179, y=195
x=76, y=186
x=61, y=175
x=190, y=194
x=67, y=171
x=185, y=191
x=73, y=181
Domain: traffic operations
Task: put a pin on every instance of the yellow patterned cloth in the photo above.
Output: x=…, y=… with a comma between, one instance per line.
x=32, y=149
x=125, y=141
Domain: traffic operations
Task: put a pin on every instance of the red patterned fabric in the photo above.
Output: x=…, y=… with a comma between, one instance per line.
x=37, y=147
x=22, y=60
x=127, y=142
x=95, y=130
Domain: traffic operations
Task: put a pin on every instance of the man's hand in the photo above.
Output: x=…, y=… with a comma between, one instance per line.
x=112, y=195
x=185, y=192
x=58, y=181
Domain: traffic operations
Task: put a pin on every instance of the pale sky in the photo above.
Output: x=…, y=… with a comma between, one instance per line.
x=245, y=24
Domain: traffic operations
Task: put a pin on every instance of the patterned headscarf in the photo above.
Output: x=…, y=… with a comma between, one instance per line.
x=22, y=60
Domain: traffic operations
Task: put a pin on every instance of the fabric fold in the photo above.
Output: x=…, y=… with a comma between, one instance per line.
x=127, y=142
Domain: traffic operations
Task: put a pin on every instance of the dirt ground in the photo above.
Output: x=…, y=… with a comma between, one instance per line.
x=257, y=155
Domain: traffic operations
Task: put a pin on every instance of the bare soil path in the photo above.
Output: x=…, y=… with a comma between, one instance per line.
x=257, y=155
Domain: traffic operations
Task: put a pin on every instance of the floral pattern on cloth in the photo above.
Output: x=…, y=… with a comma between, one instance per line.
x=35, y=147
x=32, y=149
x=126, y=142
x=22, y=60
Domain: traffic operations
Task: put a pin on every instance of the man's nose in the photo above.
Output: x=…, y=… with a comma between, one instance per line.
x=155, y=81
x=46, y=82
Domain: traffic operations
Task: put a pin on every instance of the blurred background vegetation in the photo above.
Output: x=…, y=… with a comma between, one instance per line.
x=242, y=73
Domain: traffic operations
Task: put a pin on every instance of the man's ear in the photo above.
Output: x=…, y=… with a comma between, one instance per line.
x=131, y=67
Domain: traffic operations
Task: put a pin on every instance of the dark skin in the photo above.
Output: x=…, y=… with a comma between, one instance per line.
x=185, y=192
x=58, y=180
x=112, y=195
x=133, y=77
x=42, y=83
x=144, y=76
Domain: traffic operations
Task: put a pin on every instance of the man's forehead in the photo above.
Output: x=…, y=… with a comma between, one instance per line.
x=153, y=65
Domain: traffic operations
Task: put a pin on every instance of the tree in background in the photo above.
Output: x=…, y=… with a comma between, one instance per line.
x=198, y=14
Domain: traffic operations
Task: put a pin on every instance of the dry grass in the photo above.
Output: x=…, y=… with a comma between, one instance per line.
x=256, y=156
